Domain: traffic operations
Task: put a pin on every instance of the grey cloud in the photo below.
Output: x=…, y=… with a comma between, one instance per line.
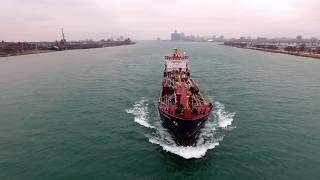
x=147, y=19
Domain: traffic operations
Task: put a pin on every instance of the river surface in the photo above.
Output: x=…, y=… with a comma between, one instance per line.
x=91, y=114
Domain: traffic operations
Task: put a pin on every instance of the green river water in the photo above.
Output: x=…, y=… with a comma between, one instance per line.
x=91, y=114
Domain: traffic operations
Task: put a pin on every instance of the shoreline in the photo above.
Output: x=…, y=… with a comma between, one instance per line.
x=28, y=52
x=301, y=54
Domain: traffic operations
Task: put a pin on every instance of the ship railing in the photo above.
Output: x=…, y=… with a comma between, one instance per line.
x=194, y=83
x=176, y=57
x=200, y=100
x=167, y=99
x=197, y=99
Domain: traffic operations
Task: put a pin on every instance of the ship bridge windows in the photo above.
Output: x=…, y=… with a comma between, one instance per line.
x=176, y=65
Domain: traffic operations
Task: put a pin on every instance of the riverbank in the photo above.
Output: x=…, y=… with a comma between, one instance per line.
x=26, y=53
x=303, y=54
x=294, y=53
x=18, y=49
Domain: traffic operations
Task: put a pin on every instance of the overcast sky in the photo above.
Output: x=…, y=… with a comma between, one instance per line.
x=36, y=20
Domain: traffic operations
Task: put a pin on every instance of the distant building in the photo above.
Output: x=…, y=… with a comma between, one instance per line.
x=121, y=38
x=299, y=38
x=177, y=36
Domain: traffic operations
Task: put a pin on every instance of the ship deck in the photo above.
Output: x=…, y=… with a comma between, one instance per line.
x=179, y=87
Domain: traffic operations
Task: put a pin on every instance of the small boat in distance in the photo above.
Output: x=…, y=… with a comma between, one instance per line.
x=182, y=108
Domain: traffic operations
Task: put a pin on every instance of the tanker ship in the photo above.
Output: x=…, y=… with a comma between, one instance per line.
x=182, y=108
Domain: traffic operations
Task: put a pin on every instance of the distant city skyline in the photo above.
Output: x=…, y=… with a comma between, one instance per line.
x=299, y=39
x=41, y=20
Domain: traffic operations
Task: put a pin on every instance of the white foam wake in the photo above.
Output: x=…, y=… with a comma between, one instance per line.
x=187, y=152
x=209, y=137
x=224, y=118
x=140, y=112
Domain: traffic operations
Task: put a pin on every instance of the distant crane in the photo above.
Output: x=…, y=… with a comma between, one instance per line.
x=63, y=42
x=63, y=38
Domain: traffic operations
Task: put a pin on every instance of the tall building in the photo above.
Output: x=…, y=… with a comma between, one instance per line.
x=175, y=36
x=299, y=38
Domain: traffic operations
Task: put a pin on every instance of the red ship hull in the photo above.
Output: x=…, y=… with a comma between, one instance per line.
x=182, y=108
